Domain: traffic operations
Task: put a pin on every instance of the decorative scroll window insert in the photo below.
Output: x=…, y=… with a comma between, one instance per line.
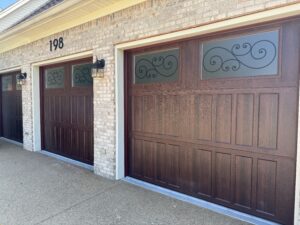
x=156, y=67
x=7, y=83
x=249, y=55
x=55, y=77
x=82, y=75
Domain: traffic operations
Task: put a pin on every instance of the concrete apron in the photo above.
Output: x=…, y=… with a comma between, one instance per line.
x=38, y=189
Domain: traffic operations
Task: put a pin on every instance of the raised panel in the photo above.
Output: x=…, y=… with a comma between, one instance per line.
x=149, y=149
x=268, y=120
x=203, y=117
x=149, y=114
x=137, y=159
x=171, y=115
x=161, y=163
x=187, y=116
x=137, y=111
x=223, y=176
x=202, y=172
x=223, y=118
x=266, y=186
x=243, y=181
x=244, y=119
x=172, y=165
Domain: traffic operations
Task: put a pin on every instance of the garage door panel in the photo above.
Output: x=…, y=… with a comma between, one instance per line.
x=68, y=110
x=223, y=118
x=235, y=129
x=202, y=172
x=243, y=181
x=161, y=173
x=11, y=101
x=149, y=114
x=266, y=186
x=244, y=119
x=204, y=117
x=223, y=177
x=287, y=116
x=268, y=120
x=171, y=106
x=149, y=149
x=186, y=116
x=137, y=113
x=137, y=156
x=173, y=165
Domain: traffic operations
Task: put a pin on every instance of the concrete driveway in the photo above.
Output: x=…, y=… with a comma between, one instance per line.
x=37, y=189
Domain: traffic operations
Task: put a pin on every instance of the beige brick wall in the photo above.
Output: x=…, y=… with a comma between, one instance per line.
x=150, y=18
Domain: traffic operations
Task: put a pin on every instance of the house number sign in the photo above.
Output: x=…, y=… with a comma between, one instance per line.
x=56, y=43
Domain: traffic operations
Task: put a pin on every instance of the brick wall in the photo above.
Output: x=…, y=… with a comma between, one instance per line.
x=150, y=18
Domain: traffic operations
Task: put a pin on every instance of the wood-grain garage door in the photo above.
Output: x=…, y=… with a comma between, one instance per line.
x=67, y=110
x=216, y=118
x=12, y=121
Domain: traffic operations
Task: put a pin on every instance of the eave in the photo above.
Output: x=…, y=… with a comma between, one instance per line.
x=61, y=17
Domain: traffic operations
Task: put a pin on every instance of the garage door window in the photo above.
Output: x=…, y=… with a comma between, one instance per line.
x=82, y=75
x=55, y=77
x=156, y=67
x=7, y=83
x=244, y=56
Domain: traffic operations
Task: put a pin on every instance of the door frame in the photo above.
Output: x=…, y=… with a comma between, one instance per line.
x=272, y=15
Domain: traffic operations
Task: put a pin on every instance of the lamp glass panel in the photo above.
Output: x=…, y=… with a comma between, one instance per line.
x=18, y=84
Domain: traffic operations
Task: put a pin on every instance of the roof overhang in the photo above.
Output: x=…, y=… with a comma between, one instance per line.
x=61, y=17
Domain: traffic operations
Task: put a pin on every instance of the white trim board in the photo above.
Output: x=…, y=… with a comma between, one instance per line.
x=13, y=69
x=200, y=203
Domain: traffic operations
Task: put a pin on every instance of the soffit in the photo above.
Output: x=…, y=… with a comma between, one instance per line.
x=68, y=14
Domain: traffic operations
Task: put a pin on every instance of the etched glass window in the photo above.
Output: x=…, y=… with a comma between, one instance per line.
x=55, y=77
x=82, y=75
x=249, y=55
x=7, y=83
x=155, y=67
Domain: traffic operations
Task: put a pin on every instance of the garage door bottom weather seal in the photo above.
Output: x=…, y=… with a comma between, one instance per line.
x=200, y=203
x=11, y=141
x=67, y=160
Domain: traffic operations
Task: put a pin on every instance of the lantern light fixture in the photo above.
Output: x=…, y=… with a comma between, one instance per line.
x=98, y=68
x=21, y=78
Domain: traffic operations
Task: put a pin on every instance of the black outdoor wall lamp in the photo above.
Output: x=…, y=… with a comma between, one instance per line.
x=21, y=78
x=98, y=68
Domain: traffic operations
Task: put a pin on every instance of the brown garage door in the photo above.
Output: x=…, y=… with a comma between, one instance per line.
x=12, y=123
x=216, y=117
x=67, y=110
